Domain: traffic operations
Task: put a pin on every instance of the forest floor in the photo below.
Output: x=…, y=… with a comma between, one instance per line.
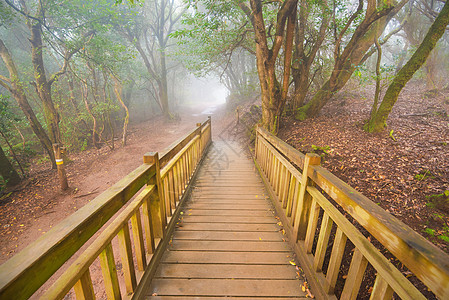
x=404, y=169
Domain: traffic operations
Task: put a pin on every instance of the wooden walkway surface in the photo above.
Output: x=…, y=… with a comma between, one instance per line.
x=227, y=243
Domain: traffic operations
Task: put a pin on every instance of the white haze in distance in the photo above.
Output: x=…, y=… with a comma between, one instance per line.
x=203, y=94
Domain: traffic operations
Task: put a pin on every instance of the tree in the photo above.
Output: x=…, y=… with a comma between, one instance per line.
x=7, y=171
x=377, y=15
x=14, y=86
x=378, y=120
x=149, y=32
x=274, y=95
x=306, y=47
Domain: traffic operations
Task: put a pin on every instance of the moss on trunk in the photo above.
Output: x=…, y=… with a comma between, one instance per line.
x=378, y=122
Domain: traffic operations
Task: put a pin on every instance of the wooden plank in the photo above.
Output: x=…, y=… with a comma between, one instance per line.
x=234, y=198
x=255, y=206
x=240, y=202
x=228, y=235
x=323, y=240
x=127, y=259
x=355, y=276
x=230, y=257
x=212, y=271
x=381, y=290
x=83, y=288
x=148, y=226
x=109, y=272
x=229, y=219
x=311, y=227
x=255, y=246
x=241, y=212
x=219, y=287
x=304, y=199
x=333, y=269
x=220, y=298
x=139, y=247
x=229, y=227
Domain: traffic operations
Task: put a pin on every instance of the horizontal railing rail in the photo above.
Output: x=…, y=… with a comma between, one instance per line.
x=302, y=201
x=147, y=214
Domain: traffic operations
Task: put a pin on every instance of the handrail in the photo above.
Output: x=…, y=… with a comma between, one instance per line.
x=299, y=204
x=27, y=271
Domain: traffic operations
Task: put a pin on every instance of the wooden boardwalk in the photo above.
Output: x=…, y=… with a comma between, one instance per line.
x=228, y=242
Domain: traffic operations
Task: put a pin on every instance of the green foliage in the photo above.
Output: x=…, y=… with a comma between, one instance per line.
x=439, y=201
x=443, y=233
x=392, y=136
x=424, y=174
x=325, y=150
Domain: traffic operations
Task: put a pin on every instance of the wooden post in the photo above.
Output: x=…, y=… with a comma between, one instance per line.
x=60, y=164
x=210, y=129
x=238, y=116
x=157, y=202
x=256, y=144
x=304, y=199
x=200, y=147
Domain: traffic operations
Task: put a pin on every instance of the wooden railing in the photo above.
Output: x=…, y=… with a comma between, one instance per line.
x=163, y=184
x=302, y=201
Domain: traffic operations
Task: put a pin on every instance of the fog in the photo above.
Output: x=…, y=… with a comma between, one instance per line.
x=202, y=95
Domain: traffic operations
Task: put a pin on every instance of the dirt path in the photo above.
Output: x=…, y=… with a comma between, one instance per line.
x=38, y=205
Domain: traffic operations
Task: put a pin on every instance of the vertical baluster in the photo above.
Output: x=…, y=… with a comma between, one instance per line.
x=355, y=276
x=139, y=246
x=183, y=173
x=323, y=240
x=148, y=225
x=281, y=180
x=335, y=261
x=304, y=200
x=157, y=201
x=273, y=172
x=190, y=161
x=295, y=199
x=276, y=175
x=175, y=183
x=286, y=186
x=171, y=190
x=83, y=287
x=270, y=166
x=311, y=228
x=381, y=290
x=290, y=195
x=109, y=272
x=126, y=254
x=178, y=188
x=168, y=210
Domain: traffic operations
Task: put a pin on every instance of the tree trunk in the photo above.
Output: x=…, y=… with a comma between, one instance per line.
x=163, y=89
x=42, y=85
x=436, y=31
x=13, y=152
x=118, y=94
x=18, y=94
x=362, y=39
x=273, y=95
x=7, y=171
